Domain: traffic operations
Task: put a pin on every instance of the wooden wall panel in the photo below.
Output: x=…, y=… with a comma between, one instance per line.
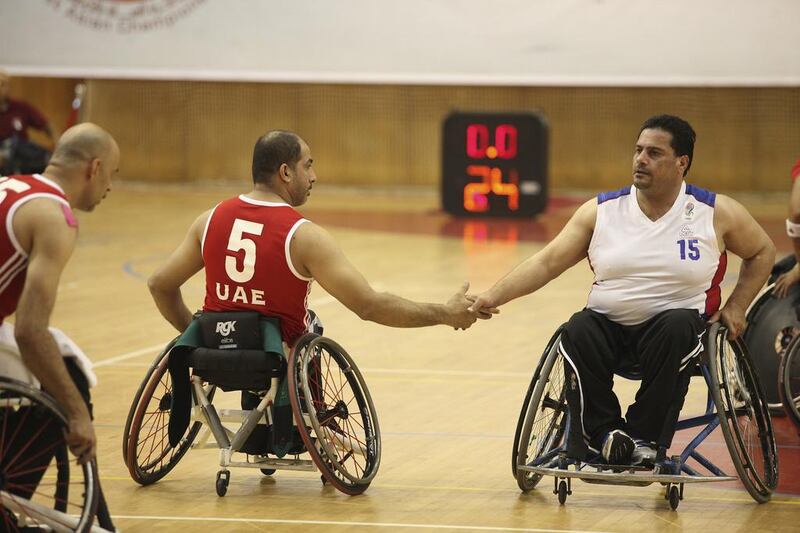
x=176, y=131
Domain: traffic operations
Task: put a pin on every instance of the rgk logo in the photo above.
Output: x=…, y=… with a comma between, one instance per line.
x=225, y=328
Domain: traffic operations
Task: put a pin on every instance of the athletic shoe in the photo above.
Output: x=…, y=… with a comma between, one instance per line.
x=618, y=448
x=644, y=454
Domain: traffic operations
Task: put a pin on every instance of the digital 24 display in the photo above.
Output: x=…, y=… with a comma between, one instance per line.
x=494, y=164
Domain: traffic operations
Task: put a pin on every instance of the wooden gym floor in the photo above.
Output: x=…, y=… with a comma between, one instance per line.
x=447, y=401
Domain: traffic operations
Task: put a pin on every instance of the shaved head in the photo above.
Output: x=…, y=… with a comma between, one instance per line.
x=82, y=143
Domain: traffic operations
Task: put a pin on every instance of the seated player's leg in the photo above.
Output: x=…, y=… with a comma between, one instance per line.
x=592, y=345
x=667, y=347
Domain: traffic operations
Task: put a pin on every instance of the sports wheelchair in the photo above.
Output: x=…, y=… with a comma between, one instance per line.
x=735, y=402
x=39, y=488
x=315, y=401
x=772, y=333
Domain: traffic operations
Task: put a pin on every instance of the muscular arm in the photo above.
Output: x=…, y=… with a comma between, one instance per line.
x=165, y=283
x=743, y=236
x=41, y=223
x=316, y=254
x=569, y=246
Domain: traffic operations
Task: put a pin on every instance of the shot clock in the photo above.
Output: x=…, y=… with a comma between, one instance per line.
x=494, y=164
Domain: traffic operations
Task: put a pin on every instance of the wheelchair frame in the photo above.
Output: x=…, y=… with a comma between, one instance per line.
x=43, y=509
x=733, y=392
x=333, y=451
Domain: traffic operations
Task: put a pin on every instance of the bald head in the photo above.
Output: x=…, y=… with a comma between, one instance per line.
x=83, y=162
x=82, y=143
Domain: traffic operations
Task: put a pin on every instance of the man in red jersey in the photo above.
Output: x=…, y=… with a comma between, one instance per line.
x=36, y=241
x=259, y=254
x=17, y=152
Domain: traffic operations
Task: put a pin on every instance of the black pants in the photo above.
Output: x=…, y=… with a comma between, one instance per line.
x=661, y=351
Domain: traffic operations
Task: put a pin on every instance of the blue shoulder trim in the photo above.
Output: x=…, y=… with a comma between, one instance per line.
x=702, y=195
x=604, y=196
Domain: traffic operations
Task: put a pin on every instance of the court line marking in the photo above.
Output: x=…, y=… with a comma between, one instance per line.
x=352, y=524
x=130, y=355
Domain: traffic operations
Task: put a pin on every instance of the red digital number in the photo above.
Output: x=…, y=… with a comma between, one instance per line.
x=505, y=139
x=477, y=140
x=476, y=198
x=505, y=142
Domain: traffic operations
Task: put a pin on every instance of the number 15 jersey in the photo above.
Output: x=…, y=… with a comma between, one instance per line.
x=248, y=265
x=643, y=267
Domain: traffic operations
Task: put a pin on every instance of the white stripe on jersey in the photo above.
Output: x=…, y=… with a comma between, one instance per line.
x=16, y=264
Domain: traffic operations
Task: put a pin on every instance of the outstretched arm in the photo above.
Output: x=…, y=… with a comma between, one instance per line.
x=51, y=244
x=743, y=236
x=316, y=254
x=565, y=250
x=165, y=283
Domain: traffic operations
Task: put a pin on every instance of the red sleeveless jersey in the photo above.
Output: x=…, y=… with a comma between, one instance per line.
x=248, y=266
x=15, y=191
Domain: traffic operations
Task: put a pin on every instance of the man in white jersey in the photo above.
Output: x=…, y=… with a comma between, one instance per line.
x=658, y=251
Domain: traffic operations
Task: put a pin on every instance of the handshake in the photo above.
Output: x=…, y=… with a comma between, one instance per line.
x=462, y=309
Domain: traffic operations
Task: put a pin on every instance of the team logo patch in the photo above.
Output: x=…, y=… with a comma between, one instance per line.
x=125, y=16
x=225, y=328
x=685, y=231
x=688, y=211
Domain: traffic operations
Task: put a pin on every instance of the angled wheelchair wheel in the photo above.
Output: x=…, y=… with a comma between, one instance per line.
x=145, y=442
x=743, y=413
x=39, y=489
x=334, y=413
x=772, y=325
x=543, y=418
x=789, y=381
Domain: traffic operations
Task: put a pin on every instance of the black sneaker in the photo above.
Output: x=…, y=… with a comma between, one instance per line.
x=618, y=448
x=644, y=454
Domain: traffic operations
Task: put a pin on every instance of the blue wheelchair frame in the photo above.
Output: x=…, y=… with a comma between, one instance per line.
x=672, y=472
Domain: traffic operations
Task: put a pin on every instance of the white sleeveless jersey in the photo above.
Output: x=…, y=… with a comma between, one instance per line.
x=642, y=267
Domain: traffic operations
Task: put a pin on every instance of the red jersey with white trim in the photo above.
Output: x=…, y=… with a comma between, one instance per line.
x=14, y=192
x=248, y=264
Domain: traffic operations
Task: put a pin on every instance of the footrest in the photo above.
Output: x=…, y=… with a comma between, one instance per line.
x=635, y=476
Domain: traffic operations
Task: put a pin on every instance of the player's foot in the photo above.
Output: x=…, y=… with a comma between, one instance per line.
x=644, y=453
x=618, y=448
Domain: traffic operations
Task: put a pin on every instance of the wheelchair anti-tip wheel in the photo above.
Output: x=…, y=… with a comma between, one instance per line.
x=334, y=413
x=145, y=442
x=39, y=489
x=542, y=422
x=743, y=413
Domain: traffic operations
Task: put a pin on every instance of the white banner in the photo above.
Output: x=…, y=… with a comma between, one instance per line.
x=502, y=42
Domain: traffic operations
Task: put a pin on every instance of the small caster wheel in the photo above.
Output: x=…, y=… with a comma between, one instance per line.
x=223, y=478
x=267, y=471
x=562, y=492
x=674, y=497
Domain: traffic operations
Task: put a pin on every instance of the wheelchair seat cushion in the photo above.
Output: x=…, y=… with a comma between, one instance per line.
x=236, y=369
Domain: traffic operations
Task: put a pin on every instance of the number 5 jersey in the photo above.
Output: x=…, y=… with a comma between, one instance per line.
x=248, y=264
